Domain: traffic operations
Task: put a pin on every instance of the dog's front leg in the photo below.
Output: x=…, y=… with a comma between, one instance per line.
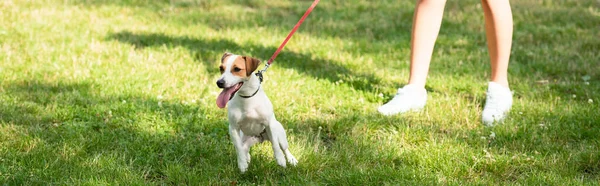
x=238, y=144
x=247, y=142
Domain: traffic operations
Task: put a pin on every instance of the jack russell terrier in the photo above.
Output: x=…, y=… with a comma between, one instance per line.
x=250, y=113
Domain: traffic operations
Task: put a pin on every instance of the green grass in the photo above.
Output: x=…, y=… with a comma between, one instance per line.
x=96, y=92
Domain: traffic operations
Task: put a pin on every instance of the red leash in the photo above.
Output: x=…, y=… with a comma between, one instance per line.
x=314, y=4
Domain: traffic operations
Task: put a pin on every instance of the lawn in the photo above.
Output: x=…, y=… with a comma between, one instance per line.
x=101, y=92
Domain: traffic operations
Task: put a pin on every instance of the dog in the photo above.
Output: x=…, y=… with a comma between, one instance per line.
x=249, y=110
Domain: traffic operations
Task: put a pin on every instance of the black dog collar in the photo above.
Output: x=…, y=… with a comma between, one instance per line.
x=252, y=94
x=260, y=77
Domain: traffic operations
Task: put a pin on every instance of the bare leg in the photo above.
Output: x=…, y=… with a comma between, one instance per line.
x=426, y=26
x=499, y=29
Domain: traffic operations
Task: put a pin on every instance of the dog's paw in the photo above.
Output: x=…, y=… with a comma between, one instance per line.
x=280, y=159
x=248, y=158
x=243, y=165
x=281, y=162
x=292, y=160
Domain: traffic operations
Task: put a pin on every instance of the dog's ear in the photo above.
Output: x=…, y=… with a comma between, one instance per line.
x=251, y=64
x=225, y=55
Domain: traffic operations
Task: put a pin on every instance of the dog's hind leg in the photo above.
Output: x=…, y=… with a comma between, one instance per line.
x=282, y=140
x=273, y=133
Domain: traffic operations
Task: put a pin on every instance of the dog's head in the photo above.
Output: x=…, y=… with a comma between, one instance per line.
x=235, y=69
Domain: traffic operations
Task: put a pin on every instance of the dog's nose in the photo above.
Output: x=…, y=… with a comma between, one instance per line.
x=221, y=83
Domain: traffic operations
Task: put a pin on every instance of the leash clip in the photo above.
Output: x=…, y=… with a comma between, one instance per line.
x=260, y=76
x=260, y=72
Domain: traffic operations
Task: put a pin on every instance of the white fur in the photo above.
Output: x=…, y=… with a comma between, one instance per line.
x=249, y=117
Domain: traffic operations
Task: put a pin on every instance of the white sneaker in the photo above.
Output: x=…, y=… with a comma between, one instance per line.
x=408, y=98
x=497, y=104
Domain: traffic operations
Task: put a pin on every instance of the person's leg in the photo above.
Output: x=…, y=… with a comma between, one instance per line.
x=426, y=26
x=499, y=28
x=427, y=21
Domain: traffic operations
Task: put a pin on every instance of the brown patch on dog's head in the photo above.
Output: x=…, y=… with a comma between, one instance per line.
x=238, y=68
x=251, y=64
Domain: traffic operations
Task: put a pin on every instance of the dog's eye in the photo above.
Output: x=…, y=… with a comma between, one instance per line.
x=221, y=69
x=236, y=69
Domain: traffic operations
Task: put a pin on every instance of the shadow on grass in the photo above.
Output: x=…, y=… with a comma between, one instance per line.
x=542, y=29
x=357, y=20
x=208, y=51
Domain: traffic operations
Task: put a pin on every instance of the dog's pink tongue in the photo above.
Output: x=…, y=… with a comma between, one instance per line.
x=224, y=97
